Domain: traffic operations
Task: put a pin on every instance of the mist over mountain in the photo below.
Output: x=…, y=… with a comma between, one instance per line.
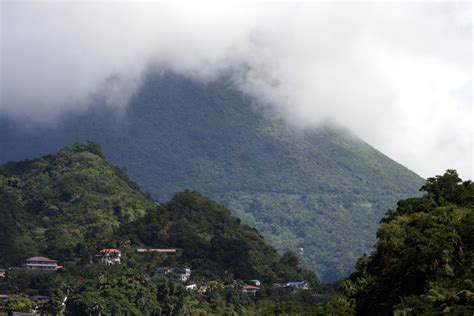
x=323, y=190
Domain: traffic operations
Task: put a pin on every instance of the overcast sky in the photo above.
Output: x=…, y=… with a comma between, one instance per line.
x=399, y=75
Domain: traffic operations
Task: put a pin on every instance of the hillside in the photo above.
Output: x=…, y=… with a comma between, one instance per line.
x=69, y=205
x=59, y=204
x=424, y=258
x=323, y=190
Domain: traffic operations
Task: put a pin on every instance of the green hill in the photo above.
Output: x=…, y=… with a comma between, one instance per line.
x=424, y=258
x=70, y=205
x=323, y=190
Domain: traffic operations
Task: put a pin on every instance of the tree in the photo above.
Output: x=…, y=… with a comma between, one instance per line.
x=20, y=304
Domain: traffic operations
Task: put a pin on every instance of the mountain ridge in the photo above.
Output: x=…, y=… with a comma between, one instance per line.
x=322, y=190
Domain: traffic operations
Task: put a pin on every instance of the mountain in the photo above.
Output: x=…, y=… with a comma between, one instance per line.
x=72, y=204
x=63, y=204
x=323, y=190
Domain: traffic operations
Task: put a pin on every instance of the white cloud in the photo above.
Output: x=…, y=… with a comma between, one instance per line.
x=398, y=74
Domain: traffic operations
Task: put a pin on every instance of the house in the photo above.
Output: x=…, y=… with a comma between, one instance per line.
x=109, y=256
x=41, y=264
x=254, y=282
x=250, y=289
x=2, y=273
x=162, y=271
x=293, y=285
x=303, y=285
x=192, y=287
x=182, y=274
x=158, y=250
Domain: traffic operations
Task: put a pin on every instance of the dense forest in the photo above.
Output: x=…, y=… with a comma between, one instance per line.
x=323, y=190
x=70, y=205
x=424, y=258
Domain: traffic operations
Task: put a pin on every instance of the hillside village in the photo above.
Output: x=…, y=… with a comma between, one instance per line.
x=113, y=257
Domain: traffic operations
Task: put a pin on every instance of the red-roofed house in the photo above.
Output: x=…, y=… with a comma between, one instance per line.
x=250, y=289
x=109, y=256
x=41, y=264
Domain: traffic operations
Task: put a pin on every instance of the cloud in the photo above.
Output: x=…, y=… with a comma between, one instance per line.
x=399, y=75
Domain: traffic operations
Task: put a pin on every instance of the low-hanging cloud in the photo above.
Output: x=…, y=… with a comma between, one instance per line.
x=397, y=75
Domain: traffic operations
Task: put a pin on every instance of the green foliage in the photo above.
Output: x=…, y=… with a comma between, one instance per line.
x=57, y=204
x=213, y=242
x=323, y=190
x=69, y=205
x=122, y=293
x=424, y=258
x=20, y=304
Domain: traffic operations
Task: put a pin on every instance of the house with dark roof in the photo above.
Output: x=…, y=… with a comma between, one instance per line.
x=181, y=273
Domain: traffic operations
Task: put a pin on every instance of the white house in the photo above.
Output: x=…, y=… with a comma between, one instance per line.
x=41, y=264
x=250, y=289
x=109, y=256
x=303, y=285
x=293, y=285
x=192, y=287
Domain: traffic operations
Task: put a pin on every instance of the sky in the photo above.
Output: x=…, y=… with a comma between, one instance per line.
x=397, y=74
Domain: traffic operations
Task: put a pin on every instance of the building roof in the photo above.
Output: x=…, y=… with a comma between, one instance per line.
x=161, y=250
x=250, y=287
x=296, y=282
x=109, y=250
x=38, y=258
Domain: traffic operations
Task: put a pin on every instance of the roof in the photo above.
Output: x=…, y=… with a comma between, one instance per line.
x=296, y=282
x=109, y=250
x=38, y=258
x=250, y=287
x=172, y=250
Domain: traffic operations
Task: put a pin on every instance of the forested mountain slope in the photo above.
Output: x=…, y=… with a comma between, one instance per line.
x=424, y=258
x=322, y=190
x=70, y=205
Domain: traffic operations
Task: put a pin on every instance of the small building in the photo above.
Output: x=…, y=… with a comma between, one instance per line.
x=192, y=287
x=302, y=285
x=250, y=289
x=2, y=273
x=156, y=250
x=109, y=256
x=41, y=264
x=254, y=282
x=162, y=271
x=4, y=298
x=182, y=274
x=293, y=285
